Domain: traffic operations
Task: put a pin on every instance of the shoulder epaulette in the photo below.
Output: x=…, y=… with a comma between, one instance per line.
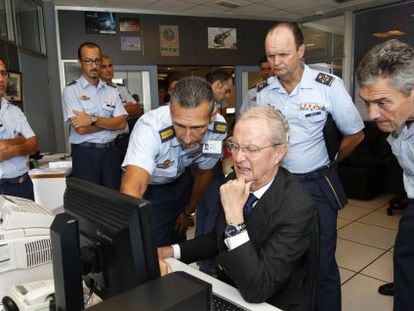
x=324, y=78
x=120, y=84
x=72, y=83
x=262, y=85
x=167, y=133
x=110, y=84
x=219, y=127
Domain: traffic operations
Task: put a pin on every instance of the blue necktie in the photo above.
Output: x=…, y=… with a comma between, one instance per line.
x=248, y=207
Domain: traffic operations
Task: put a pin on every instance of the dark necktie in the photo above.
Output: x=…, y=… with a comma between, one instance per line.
x=248, y=207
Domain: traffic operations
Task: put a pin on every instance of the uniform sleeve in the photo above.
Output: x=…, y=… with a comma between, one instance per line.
x=343, y=110
x=127, y=97
x=23, y=125
x=70, y=103
x=144, y=145
x=119, y=107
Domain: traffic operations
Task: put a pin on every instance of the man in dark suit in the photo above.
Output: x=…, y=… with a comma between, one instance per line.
x=259, y=245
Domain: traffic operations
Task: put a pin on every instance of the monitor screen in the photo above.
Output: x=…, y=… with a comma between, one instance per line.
x=115, y=238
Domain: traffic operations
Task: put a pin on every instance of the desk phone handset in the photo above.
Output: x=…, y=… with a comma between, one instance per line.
x=29, y=296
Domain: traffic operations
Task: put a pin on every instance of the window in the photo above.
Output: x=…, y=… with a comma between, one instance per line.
x=29, y=22
x=3, y=23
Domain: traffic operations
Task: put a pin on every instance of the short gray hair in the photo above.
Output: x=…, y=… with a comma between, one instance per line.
x=393, y=60
x=190, y=92
x=279, y=127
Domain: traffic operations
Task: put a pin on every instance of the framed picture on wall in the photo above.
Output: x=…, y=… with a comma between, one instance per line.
x=127, y=24
x=100, y=23
x=169, y=40
x=14, y=88
x=222, y=38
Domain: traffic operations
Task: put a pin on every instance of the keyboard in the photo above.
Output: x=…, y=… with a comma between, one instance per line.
x=220, y=304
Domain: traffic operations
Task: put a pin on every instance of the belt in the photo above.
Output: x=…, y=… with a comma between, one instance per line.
x=318, y=173
x=122, y=136
x=16, y=180
x=98, y=145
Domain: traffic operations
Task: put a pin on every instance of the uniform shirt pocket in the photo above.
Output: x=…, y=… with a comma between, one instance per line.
x=108, y=107
x=312, y=116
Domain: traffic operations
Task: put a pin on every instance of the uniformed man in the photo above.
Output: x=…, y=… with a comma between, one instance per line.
x=306, y=97
x=221, y=83
x=94, y=111
x=130, y=104
x=17, y=141
x=164, y=144
x=265, y=73
x=386, y=79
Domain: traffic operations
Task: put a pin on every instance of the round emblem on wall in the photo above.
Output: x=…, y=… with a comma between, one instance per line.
x=168, y=34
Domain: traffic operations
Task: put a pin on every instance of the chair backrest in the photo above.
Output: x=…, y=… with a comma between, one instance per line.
x=310, y=262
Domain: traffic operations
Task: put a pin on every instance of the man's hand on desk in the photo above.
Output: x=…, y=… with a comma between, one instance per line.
x=164, y=252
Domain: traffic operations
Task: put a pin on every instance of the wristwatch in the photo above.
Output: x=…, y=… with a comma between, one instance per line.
x=233, y=229
x=94, y=119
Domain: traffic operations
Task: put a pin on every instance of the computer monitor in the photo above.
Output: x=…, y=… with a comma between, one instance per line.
x=104, y=235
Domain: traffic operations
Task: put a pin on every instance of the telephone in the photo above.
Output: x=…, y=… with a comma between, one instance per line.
x=33, y=296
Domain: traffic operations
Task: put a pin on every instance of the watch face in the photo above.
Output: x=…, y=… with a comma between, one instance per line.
x=231, y=230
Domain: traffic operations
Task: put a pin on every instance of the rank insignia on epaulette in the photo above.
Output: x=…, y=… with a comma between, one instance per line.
x=167, y=133
x=220, y=127
x=262, y=85
x=72, y=83
x=84, y=97
x=110, y=84
x=166, y=164
x=324, y=78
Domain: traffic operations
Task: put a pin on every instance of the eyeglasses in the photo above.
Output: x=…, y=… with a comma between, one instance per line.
x=4, y=73
x=250, y=150
x=88, y=61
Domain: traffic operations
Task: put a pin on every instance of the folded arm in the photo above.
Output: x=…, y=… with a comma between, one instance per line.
x=19, y=146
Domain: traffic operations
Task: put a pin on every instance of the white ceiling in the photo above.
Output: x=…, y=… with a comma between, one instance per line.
x=295, y=10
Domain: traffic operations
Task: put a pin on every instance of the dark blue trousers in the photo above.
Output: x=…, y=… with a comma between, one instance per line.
x=97, y=165
x=207, y=211
x=329, y=286
x=404, y=261
x=167, y=202
x=23, y=190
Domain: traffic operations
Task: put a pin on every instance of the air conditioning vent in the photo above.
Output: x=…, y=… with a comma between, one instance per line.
x=228, y=4
x=38, y=252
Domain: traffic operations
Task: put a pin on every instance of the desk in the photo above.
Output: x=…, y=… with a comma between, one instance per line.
x=220, y=288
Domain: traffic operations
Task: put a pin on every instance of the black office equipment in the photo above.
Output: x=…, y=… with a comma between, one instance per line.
x=177, y=291
x=117, y=249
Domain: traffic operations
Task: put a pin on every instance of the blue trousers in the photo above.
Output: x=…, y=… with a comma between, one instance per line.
x=167, y=202
x=23, y=190
x=329, y=286
x=97, y=165
x=404, y=261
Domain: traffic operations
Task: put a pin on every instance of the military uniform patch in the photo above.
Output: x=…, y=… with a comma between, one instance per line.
x=84, y=97
x=324, y=78
x=166, y=164
x=167, y=134
x=72, y=83
x=220, y=127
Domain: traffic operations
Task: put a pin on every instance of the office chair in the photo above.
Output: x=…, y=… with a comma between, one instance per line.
x=310, y=262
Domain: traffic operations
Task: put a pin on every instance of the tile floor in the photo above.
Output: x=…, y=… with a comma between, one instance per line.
x=366, y=236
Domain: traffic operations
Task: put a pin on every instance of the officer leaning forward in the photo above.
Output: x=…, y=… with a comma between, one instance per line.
x=306, y=97
x=95, y=113
x=164, y=144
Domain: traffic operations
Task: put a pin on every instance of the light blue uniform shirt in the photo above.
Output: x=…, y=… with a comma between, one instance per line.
x=306, y=109
x=125, y=98
x=13, y=124
x=402, y=145
x=102, y=101
x=154, y=147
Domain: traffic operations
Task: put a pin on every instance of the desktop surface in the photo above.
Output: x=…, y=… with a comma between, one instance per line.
x=220, y=289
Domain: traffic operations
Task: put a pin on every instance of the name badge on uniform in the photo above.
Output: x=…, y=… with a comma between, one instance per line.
x=166, y=164
x=213, y=147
